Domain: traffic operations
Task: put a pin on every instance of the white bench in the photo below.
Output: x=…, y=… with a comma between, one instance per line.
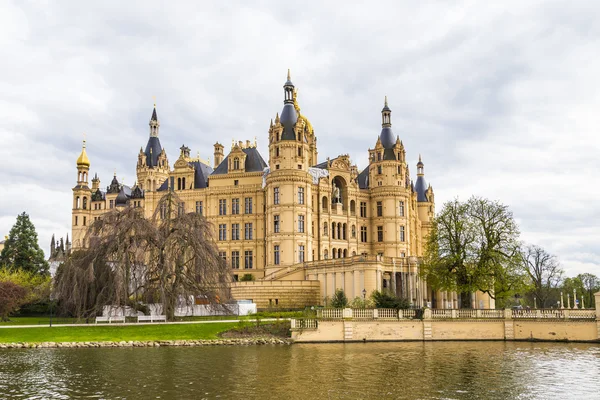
x=110, y=319
x=152, y=318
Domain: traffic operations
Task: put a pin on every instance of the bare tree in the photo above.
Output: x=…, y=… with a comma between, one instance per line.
x=169, y=258
x=544, y=271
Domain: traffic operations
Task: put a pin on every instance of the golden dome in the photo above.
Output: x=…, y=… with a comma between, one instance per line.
x=83, y=160
x=300, y=116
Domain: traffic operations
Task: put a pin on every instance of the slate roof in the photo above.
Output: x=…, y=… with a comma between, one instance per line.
x=388, y=154
x=387, y=137
x=421, y=189
x=254, y=162
x=123, y=196
x=201, y=173
x=363, y=179
x=154, y=145
x=288, y=119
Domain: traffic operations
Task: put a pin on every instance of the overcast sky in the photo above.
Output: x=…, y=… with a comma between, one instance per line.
x=501, y=99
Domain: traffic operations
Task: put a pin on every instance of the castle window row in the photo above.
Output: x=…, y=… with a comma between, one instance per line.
x=235, y=206
x=235, y=259
x=235, y=231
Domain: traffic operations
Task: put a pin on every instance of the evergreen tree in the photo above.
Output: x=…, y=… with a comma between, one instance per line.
x=21, y=249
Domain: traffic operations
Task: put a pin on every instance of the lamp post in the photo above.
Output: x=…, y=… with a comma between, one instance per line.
x=364, y=292
x=51, y=303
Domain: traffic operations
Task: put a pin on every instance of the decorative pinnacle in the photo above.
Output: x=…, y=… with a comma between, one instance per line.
x=386, y=101
x=115, y=172
x=420, y=158
x=289, y=76
x=154, y=101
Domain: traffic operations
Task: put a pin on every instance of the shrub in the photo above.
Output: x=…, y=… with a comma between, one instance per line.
x=247, y=278
x=359, y=302
x=385, y=299
x=339, y=299
x=12, y=296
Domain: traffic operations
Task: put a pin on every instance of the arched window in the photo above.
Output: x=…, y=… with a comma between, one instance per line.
x=77, y=202
x=182, y=183
x=325, y=228
x=339, y=231
x=344, y=229
x=85, y=203
x=325, y=254
x=353, y=207
x=324, y=204
x=333, y=230
x=339, y=253
x=333, y=253
x=236, y=163
x=178, y=183
x=345, y=253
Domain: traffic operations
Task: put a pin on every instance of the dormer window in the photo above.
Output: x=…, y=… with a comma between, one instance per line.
x=236, y=163
x=378, y=156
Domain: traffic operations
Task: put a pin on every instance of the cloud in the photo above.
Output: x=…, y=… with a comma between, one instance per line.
x=500, y=99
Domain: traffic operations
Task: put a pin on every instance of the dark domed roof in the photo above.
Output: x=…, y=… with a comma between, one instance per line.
x=122, y=198
x=387, y=137
x=288, y=119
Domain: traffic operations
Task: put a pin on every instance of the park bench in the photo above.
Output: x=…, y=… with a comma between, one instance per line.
x=152, y=318
x=110, y=319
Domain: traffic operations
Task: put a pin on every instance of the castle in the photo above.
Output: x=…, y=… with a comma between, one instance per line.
x=302, y=228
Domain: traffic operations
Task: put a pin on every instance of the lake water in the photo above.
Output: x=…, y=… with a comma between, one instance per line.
x=415, y=370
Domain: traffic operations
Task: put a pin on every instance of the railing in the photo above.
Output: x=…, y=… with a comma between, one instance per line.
x=330, y=313
x=304, y=324
x=393, y=314
x=554, y=313
x=441, y=313
x=365, y=313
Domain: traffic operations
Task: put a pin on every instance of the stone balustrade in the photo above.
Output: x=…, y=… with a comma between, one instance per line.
x=393, y=314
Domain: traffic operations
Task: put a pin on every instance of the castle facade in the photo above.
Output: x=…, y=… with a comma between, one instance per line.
x=299, y=225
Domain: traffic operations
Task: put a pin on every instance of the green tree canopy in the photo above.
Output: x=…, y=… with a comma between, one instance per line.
x=474, y=246
x=21, y=249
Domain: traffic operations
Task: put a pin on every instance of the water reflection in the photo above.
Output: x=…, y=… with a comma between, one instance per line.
x=454, y=370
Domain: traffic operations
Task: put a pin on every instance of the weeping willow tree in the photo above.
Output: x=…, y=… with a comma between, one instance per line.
x=170, y=258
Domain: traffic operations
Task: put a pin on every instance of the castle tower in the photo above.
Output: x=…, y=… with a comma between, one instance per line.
x=81, y=199
x=218, y=154
x=425, y=201
x=288, y=188
x=153, y=165
x=390, y=193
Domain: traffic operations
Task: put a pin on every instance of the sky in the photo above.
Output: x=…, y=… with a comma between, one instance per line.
x=501, y=99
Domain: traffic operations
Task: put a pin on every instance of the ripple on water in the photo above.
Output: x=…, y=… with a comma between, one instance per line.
x=416, y=370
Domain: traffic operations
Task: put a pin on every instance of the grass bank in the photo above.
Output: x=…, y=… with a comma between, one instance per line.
x=116, y=333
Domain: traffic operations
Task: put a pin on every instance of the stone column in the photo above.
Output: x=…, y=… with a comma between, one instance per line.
x=562, y=303
x=574, y=298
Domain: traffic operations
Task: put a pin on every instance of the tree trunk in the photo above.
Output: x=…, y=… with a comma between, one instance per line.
x=465, y=300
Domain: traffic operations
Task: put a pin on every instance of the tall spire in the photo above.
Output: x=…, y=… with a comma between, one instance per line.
x=288, y=88
x=154, y=123
x=387, y=136
x=421, y=184
x=386, y=115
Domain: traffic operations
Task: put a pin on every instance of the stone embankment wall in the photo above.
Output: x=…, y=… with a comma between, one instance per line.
x=151, y=343
x=347, y=325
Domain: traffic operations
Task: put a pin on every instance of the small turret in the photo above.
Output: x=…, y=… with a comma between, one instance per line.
x=421, y=184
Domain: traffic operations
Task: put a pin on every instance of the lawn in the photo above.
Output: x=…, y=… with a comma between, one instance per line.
x=115, y=333
x=37, y=321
